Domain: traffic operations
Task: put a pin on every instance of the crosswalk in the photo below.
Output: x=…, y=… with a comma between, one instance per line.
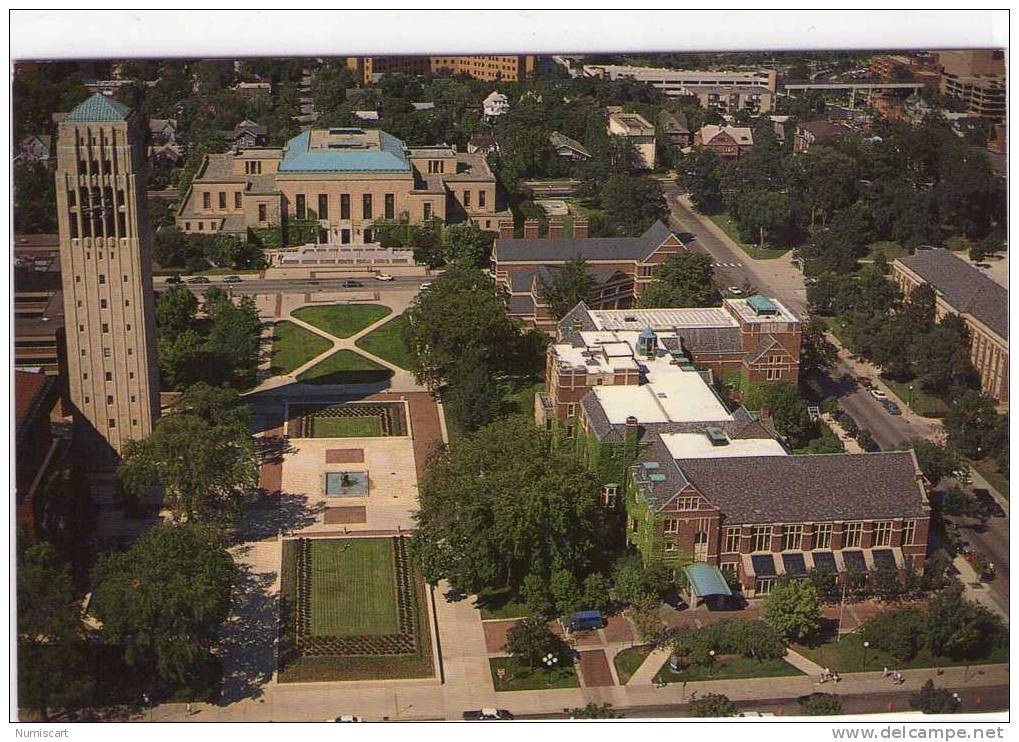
x=727, y=265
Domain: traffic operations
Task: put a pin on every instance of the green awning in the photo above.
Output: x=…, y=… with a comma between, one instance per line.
x=706, y=579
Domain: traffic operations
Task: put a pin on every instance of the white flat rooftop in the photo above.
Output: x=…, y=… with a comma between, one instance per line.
x=661, y=319
x=699, y=446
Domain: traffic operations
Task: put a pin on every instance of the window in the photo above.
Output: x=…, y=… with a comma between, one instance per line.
x=822, y=535
x=301, y=208
x=645, y=270
x=201, y=226
x=127, y=302
x=206, y=200
x=73, y=222
x=237, y=199
x=390, y=206
x=467, y=199
x=222, y=199
x=128, y=328
x=366, y=206
x=908, y=532
x=109, y=399
x=130, y=374
x=688, y=503
x=106, y=327
x=428, y=210
x=773, y=374
x=106, y=352
x=609, y=493
x=109, y=376
x=102, y=303
x=482, y=199
x=852, y=535
x=344, y=236
x=344, y=206
x=671, y=525
x=761, y=538
x=81, y=328
x=112, y=422
x=670, y=546
x=125, y=278
x=733, y=536
x=87, y=399
x=571, y=409
x=792, y=538
x=323, y=206
x=187, y=226
x=882, y=533
x=367, y=236
x=102, y=278
x=262, y=212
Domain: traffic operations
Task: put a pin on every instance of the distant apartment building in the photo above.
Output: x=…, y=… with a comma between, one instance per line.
x=620, y=266
x=342, y=179
x=728, y=142
x=509, y=67
x=638, y=131
x=921, y=67
x=702, y=482
x=38, y=304
x=962, y=289
x=977, y=79
x=720, y=91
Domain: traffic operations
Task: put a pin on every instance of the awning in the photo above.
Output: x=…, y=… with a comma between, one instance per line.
x=706, y=579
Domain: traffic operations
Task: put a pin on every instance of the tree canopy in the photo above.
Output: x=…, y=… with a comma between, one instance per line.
x=568, y=286
x=685, y=279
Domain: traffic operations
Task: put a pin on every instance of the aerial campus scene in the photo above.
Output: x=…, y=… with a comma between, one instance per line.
x=607, y=385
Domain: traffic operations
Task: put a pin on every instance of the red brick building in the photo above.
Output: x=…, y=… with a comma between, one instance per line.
x=729, y=142
x=36, y=398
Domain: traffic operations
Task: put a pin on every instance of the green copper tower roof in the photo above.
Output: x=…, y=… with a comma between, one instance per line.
x=99, y=107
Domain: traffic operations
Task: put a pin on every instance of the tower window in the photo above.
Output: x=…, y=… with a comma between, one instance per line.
x=237, y=199
x=102, y=278
x=109, y=399
x=112, y=423
x=109, y=376
x=102, y=303
x=222, y=199
x=206, y=200
x=106, y=352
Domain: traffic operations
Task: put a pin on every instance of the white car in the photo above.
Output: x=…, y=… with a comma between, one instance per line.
x=878, y=394
x=424, y=286
x=735, y=290
x=383, y=277
x=346, y=718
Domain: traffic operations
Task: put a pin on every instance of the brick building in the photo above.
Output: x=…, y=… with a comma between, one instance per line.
x=814, y=132
x=962, y=289
x=729, y=142
x=621, y=266
x=509, y=67
x=977, y=79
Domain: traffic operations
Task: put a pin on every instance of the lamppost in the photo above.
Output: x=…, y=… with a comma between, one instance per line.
x=711, y=654
x=958, y=701
x=910, y=395
x=866, y=645
x=550, y=661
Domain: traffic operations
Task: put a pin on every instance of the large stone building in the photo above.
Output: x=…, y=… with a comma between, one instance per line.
x=509, y=67
x=109, y=313
x=702, y=481
x=621, y=266
x=962, y=289
x=977, y=79
x=342, y=180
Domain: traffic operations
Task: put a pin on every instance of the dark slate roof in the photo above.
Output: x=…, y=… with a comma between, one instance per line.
x=658, y=493
x=521, y=304
x=963, y=286
x=581, y=315
x=673, y=123
x=707, y=340
x=98, y=107
x=793, y=489
x=590, y=248
x=561, y=140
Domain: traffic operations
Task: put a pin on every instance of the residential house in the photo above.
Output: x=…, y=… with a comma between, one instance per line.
x=495, y=105
x=675, y=128
x=816, y=131
x=568, y=149
x=729, y=142
x=247, y=134
x=482, y=143
x=36, y=148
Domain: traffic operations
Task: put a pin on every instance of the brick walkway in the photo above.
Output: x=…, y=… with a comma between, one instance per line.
x=594, y=669
x=495, y=634
x=424, y=423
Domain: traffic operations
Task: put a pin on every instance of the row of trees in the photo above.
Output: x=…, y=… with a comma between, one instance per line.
x=463, y=245
x=192, y=253
x=220, y=347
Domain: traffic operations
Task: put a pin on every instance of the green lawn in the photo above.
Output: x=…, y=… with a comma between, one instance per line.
x=346, y=427
x=500, y=604
x=345, y=367
x=353, y=587
x=990, y=471
x=520, y=400
x=520, y=677
x=387, y=342
x=730, y=668
x=892, y=250
x=848, y=655
x=628, y=660
x=726, y=224
x=342, y=320
x=918, y=400
x=293, y=346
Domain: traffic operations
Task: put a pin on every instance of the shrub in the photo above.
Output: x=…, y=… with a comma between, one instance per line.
x=820, y=704
x=596, y=592
x=712, y=705
x=693, y=647
x=747, y=638
x=897, y=632
x=794, y=609
x=933, y=700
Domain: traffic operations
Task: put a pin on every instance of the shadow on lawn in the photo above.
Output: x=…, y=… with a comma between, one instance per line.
x=248, y=636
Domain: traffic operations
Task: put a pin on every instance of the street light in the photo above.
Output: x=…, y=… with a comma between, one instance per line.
x=711, y=654
x=910, y=395
x=550, y=661
x=866, y=645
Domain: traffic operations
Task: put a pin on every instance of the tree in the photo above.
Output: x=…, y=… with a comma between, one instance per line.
x=817, y=353
x=471, y=398
x=700, y=173
x=35, y=201
x=712, y=705
x=958, y=628
x=936, y=461
x=820, y=704
x=234, y=337
x=568, y=286
x=461, y=314
x=175, y=311
x=941, y=358
x=826, y=178
x=596, y=592
x=164, y=600
x=632, y=203
x=565, y=592
x=502, y=503
x=694, y=648
x=790, y=414
x=593, y=711
x=645, y=617
x=971, y=421
x=764, y=215
x=794, y=608
x=530, y=639
x=898, y=632
x=465, y=244
x=933, y=700
x=201, y=453
x=329, y=89
x=685, y=279
x=536, y=595
x=51, y=650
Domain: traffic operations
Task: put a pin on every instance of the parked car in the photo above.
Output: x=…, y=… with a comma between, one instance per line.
x=988, y=501
x=864, y=381
x=735, y=290
x=198, y=279
x=383, y=277
x=346, y=718
x=582, y=621
x=487, y=714
x=879, y=395
x=424, y=286
x=893, y=409
x=232, y=279
x=350, y=284
x=173, y=279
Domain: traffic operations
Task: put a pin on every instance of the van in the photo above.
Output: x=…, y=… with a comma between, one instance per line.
x=582, y=621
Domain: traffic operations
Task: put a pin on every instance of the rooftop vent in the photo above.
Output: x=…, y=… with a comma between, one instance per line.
x=762, y=305
x=629, y=318
x=717, y=437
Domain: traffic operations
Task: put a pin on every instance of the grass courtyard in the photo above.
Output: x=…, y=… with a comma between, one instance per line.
x=728, y=668
x=293, y=346
x=342, y=320
x=518, y=676
x=346, y=427
x=726, y=224
x=345, y=367
x=353, y=587
x=628, y=660
x=849, y=655
x=387, y=343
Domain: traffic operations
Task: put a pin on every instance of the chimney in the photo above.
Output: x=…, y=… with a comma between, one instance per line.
x=631, y=428
x=580, y=228
x=505, y=229
x=765, y=412
x=555, y=228
x=530, y=229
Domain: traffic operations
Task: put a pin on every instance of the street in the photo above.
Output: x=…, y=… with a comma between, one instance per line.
x=253, y=284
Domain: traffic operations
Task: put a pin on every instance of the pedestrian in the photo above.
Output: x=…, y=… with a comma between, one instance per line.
x=885, y=674
x=189, y=709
